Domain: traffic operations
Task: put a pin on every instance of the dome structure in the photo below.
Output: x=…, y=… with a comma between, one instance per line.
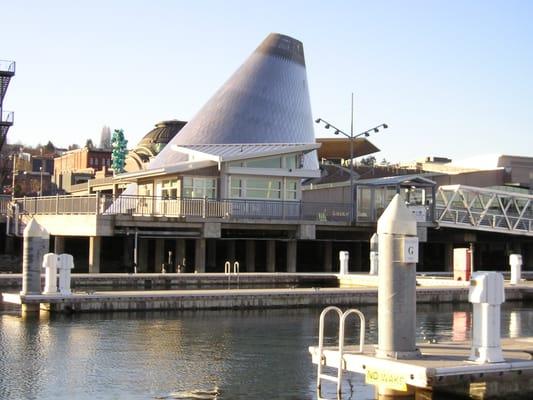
x=265, y=101
x=152, y=143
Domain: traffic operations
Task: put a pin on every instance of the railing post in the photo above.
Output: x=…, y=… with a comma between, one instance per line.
x=204, y=207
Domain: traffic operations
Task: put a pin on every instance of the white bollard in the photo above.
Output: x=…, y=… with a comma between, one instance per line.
x=50, y=277
x=65, y=264
x=344, y=257
x=374, y=255
x=398, y=255
x=515, y=261
x=486, y=293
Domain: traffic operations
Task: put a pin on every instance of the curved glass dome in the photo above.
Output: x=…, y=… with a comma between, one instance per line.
x=265, y=101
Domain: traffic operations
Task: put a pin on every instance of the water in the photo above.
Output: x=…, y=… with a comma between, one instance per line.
x=194, y=355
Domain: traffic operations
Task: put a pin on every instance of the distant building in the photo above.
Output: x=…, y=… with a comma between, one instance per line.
x=152, y=144
x=78, y=166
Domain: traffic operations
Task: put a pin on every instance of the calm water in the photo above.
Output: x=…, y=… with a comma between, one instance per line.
x=193, y=355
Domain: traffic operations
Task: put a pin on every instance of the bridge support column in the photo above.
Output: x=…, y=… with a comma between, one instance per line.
x=292, y=248
x=95, y=244
x=271, y=256
x=328, y=253
x=250, y=256
x=199, y=255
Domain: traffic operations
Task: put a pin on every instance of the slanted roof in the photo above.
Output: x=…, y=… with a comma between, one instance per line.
x=415, y=180
x=335, y=148
x=232, y=152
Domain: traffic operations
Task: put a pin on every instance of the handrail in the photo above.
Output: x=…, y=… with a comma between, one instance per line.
x=342, y=322
x=320, y=375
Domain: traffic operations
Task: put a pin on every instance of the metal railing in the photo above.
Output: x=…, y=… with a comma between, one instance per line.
x=4, y=204
x=230, y=209
x=7, y=117
x=7, y=66
x=485, y=209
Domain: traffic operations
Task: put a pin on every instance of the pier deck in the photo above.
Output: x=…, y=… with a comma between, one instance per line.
x=443, y=367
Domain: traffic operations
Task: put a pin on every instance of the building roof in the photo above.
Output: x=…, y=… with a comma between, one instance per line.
x=396, y=180
x=335, y=148
x=230, y=152
x=265, y=101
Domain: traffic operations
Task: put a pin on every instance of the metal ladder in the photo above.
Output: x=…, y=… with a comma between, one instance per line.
x=322, y=361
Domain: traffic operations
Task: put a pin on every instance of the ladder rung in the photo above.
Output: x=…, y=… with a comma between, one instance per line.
x=329, y=377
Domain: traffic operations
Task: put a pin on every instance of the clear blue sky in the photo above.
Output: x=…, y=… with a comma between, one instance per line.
x=451, y=78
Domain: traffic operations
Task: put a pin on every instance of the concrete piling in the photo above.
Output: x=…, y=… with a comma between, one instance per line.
x=36, y=243
x=398, y=254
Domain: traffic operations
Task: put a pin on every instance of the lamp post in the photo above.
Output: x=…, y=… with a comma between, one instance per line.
x=41, y=170
x=352, y=138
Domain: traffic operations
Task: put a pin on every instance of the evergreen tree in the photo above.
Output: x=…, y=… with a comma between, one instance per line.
x=118, y=156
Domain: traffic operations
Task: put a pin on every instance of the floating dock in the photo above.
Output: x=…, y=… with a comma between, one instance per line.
x=82, y=301
x=443, y=368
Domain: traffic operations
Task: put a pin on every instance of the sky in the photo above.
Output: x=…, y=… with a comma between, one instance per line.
x=450, y=78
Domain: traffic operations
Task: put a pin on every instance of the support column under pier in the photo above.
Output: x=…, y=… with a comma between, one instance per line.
x=199, y=255
x=250, y=256
x=292, y=246
x=159, y=255
x=95, y=244
x=271, y=256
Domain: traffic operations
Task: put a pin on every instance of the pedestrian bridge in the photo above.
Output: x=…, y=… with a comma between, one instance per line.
x=484, y=209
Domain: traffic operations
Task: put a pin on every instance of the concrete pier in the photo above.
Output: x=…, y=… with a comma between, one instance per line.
x=443, y=369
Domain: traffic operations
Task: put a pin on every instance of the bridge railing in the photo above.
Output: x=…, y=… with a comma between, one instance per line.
x=485, y=209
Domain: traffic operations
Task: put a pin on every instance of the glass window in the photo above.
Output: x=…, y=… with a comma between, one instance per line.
x=291, y=191
x=292, y=162
x=264, y=163
x=199, y=187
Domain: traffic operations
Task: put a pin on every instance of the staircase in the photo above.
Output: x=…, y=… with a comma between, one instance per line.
x=7, y=71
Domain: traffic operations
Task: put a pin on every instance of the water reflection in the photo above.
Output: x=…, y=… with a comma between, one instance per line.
x=214, y=354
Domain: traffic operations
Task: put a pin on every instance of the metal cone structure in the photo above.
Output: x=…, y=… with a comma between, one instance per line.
x=265, y=101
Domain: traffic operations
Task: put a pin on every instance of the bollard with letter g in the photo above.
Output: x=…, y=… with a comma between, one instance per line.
x=50, y=261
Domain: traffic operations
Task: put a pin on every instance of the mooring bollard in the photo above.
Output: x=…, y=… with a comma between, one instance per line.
x=486, y=293
x=65, y=263
x=398, y=255
x=515, y=261
x=50, y=277
x=344, y=257
x=374, y=254
x=36, y=240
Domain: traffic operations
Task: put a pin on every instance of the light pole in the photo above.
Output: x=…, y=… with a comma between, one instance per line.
x=352, y=138
x=41, y=170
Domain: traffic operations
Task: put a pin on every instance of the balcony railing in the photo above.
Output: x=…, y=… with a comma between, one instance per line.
x=229, y=209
